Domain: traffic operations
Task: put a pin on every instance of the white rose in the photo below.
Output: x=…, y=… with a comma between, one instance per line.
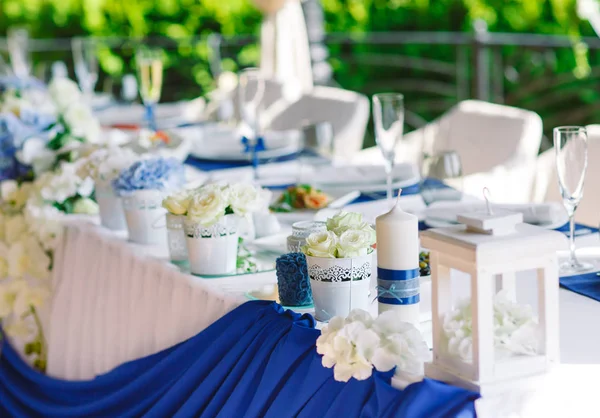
x=85, y=206
x=36, y=154
x=353, y=244
x=81, y=122
x=244, y=199
x=64, y=92
x=344, y=221
x=207, y=207
x=178, y=203
x=321, y=244
x=45, y=223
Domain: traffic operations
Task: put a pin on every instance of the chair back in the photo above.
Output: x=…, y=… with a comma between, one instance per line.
x=486, y=135
x=346, y=111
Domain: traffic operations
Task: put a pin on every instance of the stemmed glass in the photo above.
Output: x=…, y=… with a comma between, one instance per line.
x=150, y=74
x=441, y=178
x=571, y=147
x=85, y=61
x=18, y=50
x=388, y=114
x=251, y=94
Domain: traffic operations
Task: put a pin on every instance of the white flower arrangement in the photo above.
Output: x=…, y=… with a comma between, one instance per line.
x=515, y=329
x=355, y=345
x=75, y=126
x=210, y=203
x=29, y=231
x=347, y=236
x=105, y=164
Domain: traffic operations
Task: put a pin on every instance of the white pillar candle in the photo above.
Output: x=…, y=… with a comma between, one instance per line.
x=398, y=261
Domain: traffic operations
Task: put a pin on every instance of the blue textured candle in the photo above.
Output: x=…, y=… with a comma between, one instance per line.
x=292, y=280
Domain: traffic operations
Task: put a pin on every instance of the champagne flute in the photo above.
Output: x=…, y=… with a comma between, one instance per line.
x=85, y=61
x=388, y=114
x=150, y=75
x=571, y=147
x=18, y=50
x=251, y=94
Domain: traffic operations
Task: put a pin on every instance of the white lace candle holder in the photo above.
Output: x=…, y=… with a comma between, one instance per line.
x=212, y=250
x=300, y=231
x=339, y=285
x=112, y=215
x=176, y=238
x=144, y=215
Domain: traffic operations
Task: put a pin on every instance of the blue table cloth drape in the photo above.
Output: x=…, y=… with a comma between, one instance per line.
x=256, y=361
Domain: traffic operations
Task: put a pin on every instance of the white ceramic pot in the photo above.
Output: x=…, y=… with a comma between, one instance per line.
x=112, y=215
x=212, y=251
x=339, y=285
x=176, y=238
x=145, y=217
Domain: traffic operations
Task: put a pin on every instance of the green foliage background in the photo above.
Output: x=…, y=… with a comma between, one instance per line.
x=355, y=66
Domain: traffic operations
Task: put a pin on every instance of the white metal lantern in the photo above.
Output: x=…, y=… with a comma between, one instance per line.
x=492, y=248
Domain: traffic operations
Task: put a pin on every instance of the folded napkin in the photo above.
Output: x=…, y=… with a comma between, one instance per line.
x=584, y=284
x=361, y=174
x=537, y=214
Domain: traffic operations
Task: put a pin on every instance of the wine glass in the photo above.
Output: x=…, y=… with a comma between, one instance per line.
x=441, y=177
x=18, y=50
x=388, y=114
x=571, y=147
x=251, y=94
x=85, y=61
x=150, y=74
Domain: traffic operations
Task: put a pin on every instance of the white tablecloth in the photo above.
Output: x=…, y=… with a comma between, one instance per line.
x=115, y=302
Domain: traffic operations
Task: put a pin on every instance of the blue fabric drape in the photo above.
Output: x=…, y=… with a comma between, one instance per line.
x=256, y=361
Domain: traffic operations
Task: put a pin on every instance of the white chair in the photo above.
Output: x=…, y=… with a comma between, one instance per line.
x=497, y=145
x=347, y=111
x=546, y=184
x=224, y=103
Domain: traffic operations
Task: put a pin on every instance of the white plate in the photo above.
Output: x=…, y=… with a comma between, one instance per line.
x=221, y=143
x=273, y=243
x=406, y=175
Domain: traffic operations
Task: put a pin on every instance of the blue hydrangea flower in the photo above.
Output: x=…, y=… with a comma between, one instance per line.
x=152, y=174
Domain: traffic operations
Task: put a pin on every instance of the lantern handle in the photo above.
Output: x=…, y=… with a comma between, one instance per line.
x=487, y=196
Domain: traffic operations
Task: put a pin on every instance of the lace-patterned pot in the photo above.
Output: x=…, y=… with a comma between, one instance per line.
x=145, y=217
x=212, y=250
x=176, y=238
x=339, y=285
x=112, y=215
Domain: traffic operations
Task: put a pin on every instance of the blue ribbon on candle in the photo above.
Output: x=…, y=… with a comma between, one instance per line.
x=398, y=287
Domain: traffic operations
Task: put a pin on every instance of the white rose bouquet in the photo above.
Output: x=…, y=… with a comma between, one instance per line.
x=347, y=236
x=208, y=204
x=355, y=345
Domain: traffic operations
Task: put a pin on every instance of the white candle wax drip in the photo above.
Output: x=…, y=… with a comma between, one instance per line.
x=398, y=249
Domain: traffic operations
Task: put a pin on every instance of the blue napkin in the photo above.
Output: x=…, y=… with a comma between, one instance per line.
x=211, y=165
x=587, y=284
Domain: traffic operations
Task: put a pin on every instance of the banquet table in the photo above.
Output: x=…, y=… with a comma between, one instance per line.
x=116, y=301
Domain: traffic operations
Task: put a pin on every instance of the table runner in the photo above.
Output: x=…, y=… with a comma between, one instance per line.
x=258, y=360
